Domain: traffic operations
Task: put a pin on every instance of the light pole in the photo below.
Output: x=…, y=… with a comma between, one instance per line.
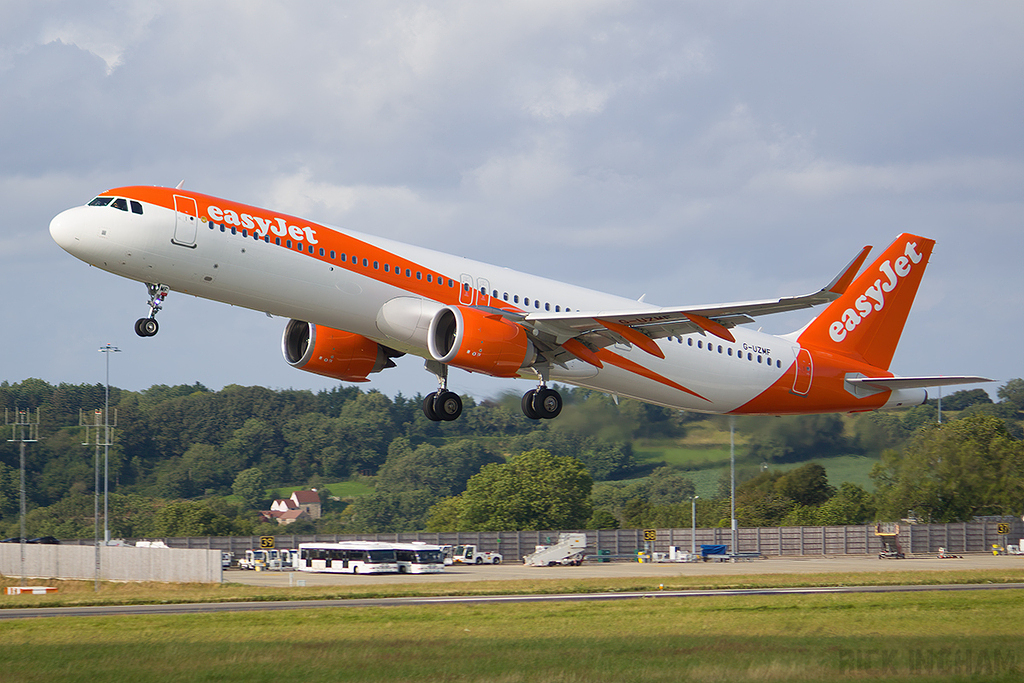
x=108, y=349
x=693, y=533
x=732, y=483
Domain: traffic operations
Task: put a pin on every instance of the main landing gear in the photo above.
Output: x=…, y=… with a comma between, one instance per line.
x=444, y=405
x=147, y=327
x=441, y=405
x=542, y=403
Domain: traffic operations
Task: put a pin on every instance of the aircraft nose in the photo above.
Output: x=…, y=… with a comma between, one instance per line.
x=64, y=229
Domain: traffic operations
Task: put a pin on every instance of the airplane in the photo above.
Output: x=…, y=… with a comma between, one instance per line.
x=355, y=302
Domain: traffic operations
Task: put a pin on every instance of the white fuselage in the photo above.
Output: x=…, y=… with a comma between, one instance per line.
x=218, y=263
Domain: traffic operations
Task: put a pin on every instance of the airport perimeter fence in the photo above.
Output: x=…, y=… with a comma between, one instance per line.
x=622, y=544
x=112, y=563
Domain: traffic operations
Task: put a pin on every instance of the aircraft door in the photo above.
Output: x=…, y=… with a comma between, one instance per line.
x=483, y=296
x=804, y=372
x=466, y=291
x=186, y=221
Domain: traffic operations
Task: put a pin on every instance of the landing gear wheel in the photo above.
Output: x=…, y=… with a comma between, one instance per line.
x=448, y=406
x=542, y=404
x=547, y=403
x=527, y=404
x=428, y=407
x=146, y=327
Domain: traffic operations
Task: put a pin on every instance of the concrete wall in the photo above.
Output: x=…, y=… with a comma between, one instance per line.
x=117, y=563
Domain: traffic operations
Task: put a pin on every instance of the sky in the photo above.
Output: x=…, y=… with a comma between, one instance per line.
x=692, y=152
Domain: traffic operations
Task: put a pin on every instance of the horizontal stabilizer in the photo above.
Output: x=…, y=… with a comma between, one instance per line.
x=895, y=383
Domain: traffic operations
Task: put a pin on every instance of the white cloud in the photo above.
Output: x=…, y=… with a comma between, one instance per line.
x=107, y=32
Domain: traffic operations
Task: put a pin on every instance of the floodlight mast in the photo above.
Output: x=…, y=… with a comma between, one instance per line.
x=23, y=421
x=107, y=350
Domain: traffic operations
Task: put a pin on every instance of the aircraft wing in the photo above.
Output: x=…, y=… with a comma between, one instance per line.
x=568, y=332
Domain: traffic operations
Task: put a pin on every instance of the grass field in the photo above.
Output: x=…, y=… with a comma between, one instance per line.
x=341, y=489
x=911, y=636
x=920, y=636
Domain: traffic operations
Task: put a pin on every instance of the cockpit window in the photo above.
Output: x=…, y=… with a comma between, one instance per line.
x=100, y=201
x=120, y=204
x=136, y=207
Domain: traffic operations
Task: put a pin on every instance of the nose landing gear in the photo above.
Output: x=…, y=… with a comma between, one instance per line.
x=147, y=327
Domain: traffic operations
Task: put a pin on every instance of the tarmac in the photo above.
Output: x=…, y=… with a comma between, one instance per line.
x=653, y=571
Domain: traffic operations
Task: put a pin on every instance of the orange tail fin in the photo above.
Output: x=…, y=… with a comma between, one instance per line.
x=866, y=322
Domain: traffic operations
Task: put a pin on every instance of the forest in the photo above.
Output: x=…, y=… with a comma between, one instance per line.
x=186, y=460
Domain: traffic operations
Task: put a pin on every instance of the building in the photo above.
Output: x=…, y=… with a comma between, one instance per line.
x=302, y=505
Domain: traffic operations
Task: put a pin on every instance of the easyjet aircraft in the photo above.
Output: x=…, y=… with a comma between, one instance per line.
x=357, y=301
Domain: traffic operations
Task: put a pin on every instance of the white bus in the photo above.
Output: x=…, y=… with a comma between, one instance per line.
x=419, y=558
x=350, y=557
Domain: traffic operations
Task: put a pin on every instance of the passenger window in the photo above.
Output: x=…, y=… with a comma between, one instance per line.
x=136, y=207
x=700, y=344
x=515, y=298
x=288, y=244
x=526, y=301
x=504, y=296
x=277, y=240
x=100, y=201
x=689, y=341
x=332, y=255
x=558, y=309
x=547, y=306
x=321, y=251
x=120, y=204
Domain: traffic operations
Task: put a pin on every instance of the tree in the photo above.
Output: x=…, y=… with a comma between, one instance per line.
x=533, y=491
x=806, y=485
x=250, y=487
x=442, y=471
x=1012, y=393
x=850, y=505
x=954, y=472
x=185, y=518
x=800, y=437
x=965, y=398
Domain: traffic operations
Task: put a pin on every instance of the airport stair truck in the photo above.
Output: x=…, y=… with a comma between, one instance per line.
x=570, y=550
x=889, y=534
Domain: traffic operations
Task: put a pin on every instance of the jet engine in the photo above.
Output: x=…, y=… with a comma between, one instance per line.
x=478, y=341
x=334, y=353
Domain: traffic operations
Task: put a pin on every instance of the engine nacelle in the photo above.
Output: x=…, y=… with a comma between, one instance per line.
x=478, y=341
x=333, y=353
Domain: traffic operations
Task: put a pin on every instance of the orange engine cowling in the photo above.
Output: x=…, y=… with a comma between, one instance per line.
x=478, y=341
x=333, y=353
